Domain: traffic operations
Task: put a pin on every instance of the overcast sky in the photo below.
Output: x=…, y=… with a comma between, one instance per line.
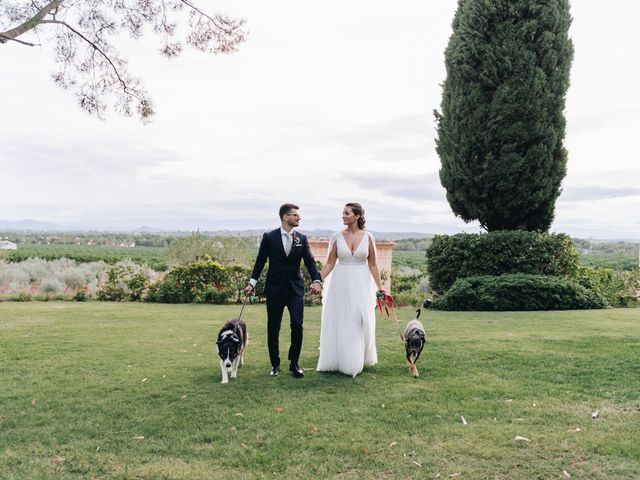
x=327, y=102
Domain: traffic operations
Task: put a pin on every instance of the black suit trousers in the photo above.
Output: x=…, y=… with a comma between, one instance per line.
x=275, y=308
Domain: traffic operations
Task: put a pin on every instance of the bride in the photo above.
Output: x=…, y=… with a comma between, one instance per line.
x=347, y=334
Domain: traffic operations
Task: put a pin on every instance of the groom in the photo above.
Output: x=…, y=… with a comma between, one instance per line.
x=284, y=248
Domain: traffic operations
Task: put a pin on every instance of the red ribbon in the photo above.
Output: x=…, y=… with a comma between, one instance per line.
x=386, y=300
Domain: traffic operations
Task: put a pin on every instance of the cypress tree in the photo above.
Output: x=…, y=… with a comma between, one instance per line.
x=501, y=125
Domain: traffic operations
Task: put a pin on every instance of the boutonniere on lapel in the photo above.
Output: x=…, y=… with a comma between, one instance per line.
x=296, y=241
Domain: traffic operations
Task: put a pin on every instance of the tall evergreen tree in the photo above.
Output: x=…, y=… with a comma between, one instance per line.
x=501, y=127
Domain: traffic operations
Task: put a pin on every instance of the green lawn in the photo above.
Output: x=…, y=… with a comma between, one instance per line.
x=81, y=384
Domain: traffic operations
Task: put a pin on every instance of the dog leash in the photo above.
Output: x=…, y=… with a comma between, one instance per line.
x=385, y=300
x=243, y=304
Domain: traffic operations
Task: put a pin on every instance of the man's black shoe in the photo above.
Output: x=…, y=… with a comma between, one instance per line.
x=275, y=371
x=297, y=371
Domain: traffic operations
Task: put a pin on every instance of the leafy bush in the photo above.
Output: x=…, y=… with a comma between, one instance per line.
x=50, y=276
x=191, y=283
x=408, y=299
x=23, y=297
x=217, y=295
x=619, y=287
x=518, y=292
x=403, y=283
x=164, y=291
x=237, y=281
x=125, y=281
x=52, y=285
x=81, y=295
x=450, y=258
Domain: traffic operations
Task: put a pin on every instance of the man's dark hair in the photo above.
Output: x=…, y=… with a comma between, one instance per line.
x=286, y=207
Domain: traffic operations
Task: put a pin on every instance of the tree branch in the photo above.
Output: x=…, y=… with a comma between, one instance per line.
x=204, y=14
x=31, y=23
x=102, y=53
x=4, y=38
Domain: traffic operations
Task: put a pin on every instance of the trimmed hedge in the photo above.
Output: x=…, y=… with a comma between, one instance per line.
x=518, y=292
x=450, y=257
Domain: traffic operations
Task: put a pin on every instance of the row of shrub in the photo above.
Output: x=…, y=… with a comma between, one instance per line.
x=450, y=257
x=521, y=270
x=205, y=281
x=518, y=291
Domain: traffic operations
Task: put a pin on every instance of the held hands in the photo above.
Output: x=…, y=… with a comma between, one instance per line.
x=316, y=288
x=249, y=290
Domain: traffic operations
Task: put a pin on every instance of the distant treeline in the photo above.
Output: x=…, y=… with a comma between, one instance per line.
x=88, y=239
x=151, y=249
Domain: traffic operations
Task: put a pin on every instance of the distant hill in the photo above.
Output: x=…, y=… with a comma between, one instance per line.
x=29, y=224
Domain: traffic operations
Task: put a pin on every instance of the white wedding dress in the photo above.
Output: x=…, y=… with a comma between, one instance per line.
x=347, y=334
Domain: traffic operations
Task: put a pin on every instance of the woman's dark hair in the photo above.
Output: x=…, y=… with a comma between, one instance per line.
x=286, y=207
x=357, y=209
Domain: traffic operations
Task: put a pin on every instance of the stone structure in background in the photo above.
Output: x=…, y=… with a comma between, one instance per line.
x=384, y=248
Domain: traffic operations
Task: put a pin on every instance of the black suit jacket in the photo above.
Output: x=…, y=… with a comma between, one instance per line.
x=283, y=275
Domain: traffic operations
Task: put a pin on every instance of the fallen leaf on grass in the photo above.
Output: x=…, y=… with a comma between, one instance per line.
x=457, y=474
x=518, y=437
x=183, y=396
x=144, y=380
x=279, y=409
x=239, y=414
x=393, y=444
x=33, y=402
x=464, y=422
x=138, y=437
x=58, y=459
x=509, y=400
x=572, y=430
x=566, y=474
x=371, y=375
x=418, y=464
x=365, y=450
x=244, y=445
x=314, y=428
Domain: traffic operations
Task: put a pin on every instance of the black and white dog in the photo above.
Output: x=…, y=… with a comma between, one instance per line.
x=414, y=339
x=232, y=340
